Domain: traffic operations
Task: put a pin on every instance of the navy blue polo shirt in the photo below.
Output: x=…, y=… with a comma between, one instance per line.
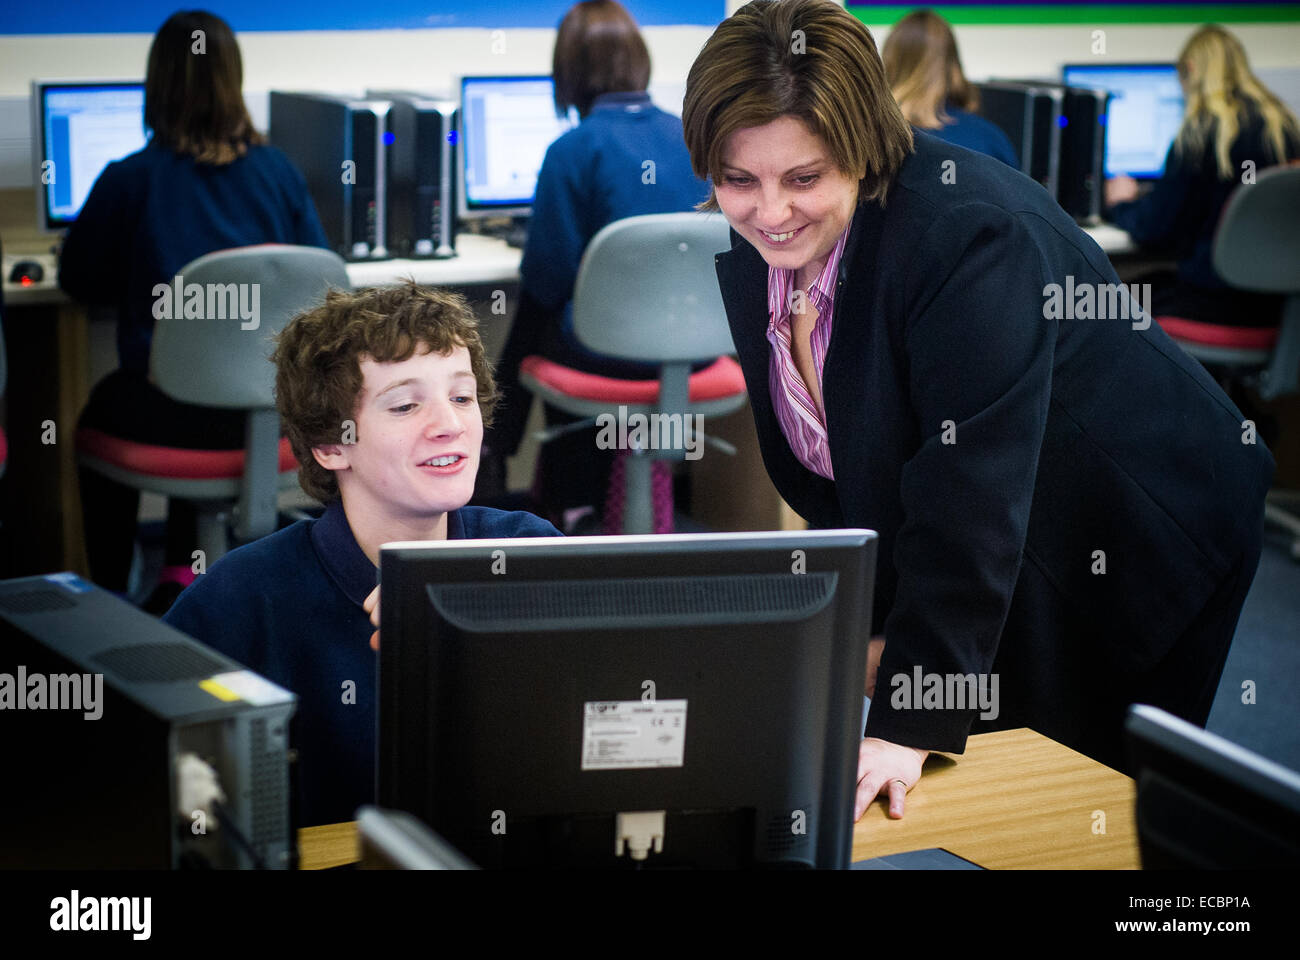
x=625, y=159
x=973, y=132
x=288, y=607
x=151, y=213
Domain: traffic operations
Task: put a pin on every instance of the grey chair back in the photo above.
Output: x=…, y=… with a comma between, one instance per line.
x=647, y=289
x=1257, y=247
x=248, y=295
x=220, y=355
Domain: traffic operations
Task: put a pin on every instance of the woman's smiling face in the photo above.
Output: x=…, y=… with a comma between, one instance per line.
x=782, y=192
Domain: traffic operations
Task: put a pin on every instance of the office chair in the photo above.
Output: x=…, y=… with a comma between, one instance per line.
x=218, y=363
x=1256, y=248
x=647, y=290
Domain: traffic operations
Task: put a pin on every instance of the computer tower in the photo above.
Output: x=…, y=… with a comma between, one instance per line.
x=100, y=704
x=1030, y=115
x=422, y=178
x=1083, y=153
x=344, y=148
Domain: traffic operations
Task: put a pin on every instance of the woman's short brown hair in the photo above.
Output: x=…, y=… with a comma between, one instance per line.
x=924, y=69
x=318, y=361
x=193, y=89
x=598, y=49
x=809, y=59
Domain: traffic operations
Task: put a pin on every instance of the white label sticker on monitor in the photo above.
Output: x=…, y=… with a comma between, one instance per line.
x=633, y=734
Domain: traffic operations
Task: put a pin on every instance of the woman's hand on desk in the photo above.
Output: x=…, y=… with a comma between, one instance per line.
x=1120, y=189
x=889, y=768
x=371, y=606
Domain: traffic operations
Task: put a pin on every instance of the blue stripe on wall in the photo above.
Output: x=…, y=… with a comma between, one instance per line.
x=146, y=16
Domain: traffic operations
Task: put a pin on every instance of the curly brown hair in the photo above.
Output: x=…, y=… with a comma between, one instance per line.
x=318, y=361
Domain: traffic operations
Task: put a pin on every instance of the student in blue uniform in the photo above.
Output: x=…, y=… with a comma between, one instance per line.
x=206, y=181
x=924, y=72
x=624, y=159
x=384, y=395
x=1233, y=127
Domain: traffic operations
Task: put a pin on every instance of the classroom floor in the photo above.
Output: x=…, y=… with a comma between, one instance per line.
x=1265, y=650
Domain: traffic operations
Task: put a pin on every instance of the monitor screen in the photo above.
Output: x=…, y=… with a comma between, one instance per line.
x=1146, y=110
x=79, y=128
x=506, y=124
x=620, y=702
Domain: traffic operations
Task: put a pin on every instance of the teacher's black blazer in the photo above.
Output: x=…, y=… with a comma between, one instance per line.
x=1076, y=441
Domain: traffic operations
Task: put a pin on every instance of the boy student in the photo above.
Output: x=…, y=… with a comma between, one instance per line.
x=384, y=395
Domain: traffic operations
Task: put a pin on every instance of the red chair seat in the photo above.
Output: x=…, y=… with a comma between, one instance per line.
x=1217, y=335
x=721, y=379
x=172, y=462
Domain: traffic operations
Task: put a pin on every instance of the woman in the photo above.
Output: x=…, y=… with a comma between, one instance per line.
x=1064, y=506
x=592, y=175
x=205, y=181
x=1233, y=127
x=924, y=72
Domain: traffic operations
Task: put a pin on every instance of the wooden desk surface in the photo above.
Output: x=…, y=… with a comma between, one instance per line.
x=1014, y=799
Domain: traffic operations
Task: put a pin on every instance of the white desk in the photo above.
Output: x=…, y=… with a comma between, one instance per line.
x=479, y=260
x=1112, y=240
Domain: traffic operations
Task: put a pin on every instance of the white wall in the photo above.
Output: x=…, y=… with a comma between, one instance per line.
x=348, y=61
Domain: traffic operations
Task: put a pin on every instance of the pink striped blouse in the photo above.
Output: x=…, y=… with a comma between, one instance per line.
x=802, y=422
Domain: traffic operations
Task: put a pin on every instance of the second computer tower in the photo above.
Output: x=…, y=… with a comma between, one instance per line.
x=1030, y=115
x=1083, y=153
x=344, y=148
x=422, y=178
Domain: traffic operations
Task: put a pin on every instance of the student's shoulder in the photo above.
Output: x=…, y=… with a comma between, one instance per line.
x=270, y=160
x=252, y=570
x=484, y=523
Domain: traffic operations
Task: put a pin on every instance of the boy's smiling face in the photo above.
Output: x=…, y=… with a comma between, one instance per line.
x=419, y=430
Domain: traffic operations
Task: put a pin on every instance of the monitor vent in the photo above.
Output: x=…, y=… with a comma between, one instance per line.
x=158, y=663
x=36, y=601
x=784, y=843
x=660, y=601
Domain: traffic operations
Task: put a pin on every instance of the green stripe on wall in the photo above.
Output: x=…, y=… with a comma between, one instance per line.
x=1090, y=13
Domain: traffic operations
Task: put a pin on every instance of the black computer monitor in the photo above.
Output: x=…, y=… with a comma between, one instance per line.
x=1145, y=112
x=506, y=124
x=1204, y=802
x=535, y=692
x=78, y=128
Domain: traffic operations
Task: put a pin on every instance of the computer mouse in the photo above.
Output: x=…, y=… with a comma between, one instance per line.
x=27, y=272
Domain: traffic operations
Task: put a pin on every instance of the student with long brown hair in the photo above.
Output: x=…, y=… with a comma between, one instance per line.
x=925, y=74
x=1233, y=127
x=205, y=181
x=594, y=174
